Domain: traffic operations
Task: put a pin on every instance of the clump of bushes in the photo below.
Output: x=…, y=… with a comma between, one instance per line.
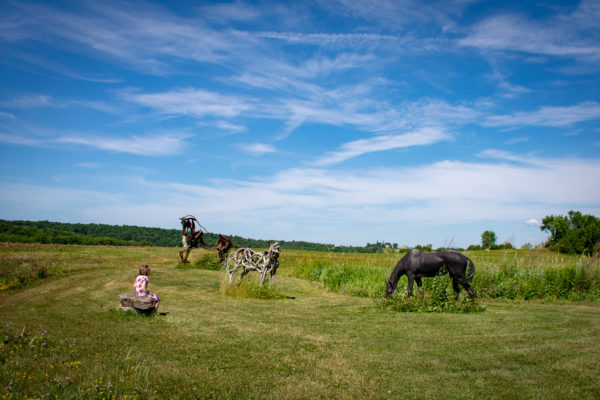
x=436, y=299
x=17, y=273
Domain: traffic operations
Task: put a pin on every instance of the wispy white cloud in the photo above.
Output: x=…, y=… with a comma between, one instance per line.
x=29, y=101
x=189, y=101
x=257, y=149
x=566, y=35
x=329, y=39
x=229, y=127
x=150, y=145
x=548, y=116
x=6, y=115
x=507, y=156
x=533, y=222
x=227, y=12
x=516, y=140
x=42, y=100
x=93, y=165
x=396, y=15
x=144, y=37
x=20, y=140
x=425, y=136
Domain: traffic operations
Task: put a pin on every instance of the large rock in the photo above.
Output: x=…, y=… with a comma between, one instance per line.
x=141, y=304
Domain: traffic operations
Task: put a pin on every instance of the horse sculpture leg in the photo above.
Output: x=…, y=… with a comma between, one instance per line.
x=229, y=272
x=468, y=288
x=411, y=280
x=420, y=286
x=187, y=251
x=244, y=272
x=465, y=284
x=273, y=271
x=456, y=288
x=263, y=274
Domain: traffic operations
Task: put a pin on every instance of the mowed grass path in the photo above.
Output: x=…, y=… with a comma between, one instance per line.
x=317, y=344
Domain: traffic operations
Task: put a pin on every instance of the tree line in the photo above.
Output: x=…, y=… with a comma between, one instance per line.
x=574, y=233
x=129, y=235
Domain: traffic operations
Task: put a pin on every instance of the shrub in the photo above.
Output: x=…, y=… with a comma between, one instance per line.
x=17, y=273
x=436, y=299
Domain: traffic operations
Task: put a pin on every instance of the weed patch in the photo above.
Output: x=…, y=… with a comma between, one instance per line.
x=251, y=289
x=20, y=272
x=437, y=299
x=206, y=261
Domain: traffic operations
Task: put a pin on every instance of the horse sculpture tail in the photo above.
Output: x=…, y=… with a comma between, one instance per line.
x=471, y=266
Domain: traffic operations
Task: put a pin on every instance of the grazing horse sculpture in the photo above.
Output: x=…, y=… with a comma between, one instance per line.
x=192, y=238
x=265, y=262
x=416, y=264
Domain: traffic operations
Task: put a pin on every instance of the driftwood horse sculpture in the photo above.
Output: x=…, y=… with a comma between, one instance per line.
x=192, y=238
x=416, y=264
x=265, y=262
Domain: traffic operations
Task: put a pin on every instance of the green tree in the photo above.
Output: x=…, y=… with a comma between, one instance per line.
x=573, y=233
x=488, y=239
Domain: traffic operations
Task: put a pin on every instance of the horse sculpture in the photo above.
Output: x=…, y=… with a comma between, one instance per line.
x=417, y=264
x=192, y=238
x=265, y=262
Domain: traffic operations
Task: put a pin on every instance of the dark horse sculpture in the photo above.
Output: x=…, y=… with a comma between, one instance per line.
x=192, y=238
x=417, y=264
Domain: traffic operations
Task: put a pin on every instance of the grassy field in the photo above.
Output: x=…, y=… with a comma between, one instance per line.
x=61, y=336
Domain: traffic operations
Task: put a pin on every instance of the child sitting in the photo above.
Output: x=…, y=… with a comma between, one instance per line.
x=141, y=286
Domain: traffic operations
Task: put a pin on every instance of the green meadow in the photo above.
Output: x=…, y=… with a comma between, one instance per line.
x=319, y=331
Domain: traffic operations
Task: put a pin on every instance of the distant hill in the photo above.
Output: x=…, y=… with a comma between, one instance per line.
x=128, y=235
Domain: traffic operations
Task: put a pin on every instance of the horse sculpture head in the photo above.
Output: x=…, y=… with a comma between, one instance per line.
x=274, y=249
x=389, y=289
x=409, y=258
x=392, y=283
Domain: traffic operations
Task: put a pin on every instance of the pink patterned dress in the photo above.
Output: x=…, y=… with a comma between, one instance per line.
x=141, y=282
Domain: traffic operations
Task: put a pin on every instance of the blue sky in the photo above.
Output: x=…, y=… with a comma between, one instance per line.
x=332, y=121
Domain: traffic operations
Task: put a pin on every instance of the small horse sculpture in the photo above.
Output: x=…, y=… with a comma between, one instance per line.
x=265, y=262
x=416, y=264
x=192, y=239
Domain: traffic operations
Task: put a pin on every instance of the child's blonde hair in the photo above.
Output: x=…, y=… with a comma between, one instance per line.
x=144, y=270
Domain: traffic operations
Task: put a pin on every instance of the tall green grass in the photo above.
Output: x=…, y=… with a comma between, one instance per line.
x=511, y=275
x=353, y=279
x=553, y=278
x=20, y=272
